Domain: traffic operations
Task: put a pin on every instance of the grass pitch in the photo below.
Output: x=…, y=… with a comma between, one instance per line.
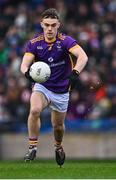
x=44, y=169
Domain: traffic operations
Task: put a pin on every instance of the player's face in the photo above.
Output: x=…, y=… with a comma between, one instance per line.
x=50, y=27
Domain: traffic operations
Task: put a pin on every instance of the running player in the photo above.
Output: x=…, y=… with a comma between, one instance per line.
x=53, y=48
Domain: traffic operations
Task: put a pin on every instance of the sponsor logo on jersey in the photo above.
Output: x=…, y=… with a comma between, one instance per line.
x=50, y=59
x=57, y=64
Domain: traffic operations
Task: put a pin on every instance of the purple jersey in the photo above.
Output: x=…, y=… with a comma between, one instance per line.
x=56, y=54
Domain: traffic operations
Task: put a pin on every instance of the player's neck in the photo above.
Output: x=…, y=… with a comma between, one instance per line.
x=50, y=40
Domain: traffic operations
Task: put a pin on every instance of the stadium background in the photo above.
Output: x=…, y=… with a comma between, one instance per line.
x=91, y=117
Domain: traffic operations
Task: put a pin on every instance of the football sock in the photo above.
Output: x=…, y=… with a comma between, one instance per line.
x=33, y=144
x=57, y=145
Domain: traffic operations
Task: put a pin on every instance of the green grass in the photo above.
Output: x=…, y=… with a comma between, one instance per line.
x=48, y=169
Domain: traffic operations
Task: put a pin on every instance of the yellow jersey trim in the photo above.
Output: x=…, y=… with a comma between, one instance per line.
x=29, y=53
x=72, y=66
x=50, y=41
x=74, y=47
x=71, y=60
x=39, y=38
x=60, y=36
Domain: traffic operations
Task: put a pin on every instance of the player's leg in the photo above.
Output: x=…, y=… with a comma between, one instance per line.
x=37, y=103
x=57, y=119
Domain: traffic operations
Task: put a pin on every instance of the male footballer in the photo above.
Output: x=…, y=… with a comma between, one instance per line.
x=53, y=48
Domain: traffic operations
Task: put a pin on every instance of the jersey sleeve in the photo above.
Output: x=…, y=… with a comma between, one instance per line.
x=30, y=48
x=69, y=43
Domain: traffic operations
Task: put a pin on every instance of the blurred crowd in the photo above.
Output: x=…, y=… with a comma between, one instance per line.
x=92, y=23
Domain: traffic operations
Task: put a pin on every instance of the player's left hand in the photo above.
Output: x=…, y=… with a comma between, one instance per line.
x=73, y=78
x=27, y=75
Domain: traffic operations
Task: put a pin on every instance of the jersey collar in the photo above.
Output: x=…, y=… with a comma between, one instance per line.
x=50, y=41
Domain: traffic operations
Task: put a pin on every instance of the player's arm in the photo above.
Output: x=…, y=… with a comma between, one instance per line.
x=81, y=57
x=27, y=60
x=80, y=63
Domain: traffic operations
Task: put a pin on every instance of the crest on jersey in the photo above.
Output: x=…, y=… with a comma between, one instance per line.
x=58, y=45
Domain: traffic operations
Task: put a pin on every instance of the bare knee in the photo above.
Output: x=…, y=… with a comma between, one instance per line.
x=35, y=112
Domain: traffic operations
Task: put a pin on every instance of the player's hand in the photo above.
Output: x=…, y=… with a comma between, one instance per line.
x=73, y=78
x=27, y=75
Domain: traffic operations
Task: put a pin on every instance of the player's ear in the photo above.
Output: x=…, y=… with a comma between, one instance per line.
x=58, y=24
x=41, y=23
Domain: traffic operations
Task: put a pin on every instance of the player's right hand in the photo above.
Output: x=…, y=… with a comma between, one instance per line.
x=27, y=75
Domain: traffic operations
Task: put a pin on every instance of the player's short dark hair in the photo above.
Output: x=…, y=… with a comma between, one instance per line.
x=50, y=13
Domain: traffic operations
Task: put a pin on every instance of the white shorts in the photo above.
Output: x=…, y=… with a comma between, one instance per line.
x=58, y=102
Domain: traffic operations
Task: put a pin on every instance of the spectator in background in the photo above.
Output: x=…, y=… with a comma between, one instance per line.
x=95, y=30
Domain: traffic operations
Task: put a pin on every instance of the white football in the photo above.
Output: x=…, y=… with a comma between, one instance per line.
x=40, y=71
